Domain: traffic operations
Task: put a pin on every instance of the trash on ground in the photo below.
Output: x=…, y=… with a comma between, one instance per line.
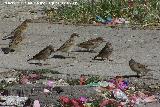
x=88, y=91
x=109, y=21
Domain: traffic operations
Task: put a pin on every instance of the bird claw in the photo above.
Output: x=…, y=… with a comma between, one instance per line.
x=110, y=59
x=102, y=59
x=92, y=51
x=46, y=64
x=39, y=64
x=138, y=76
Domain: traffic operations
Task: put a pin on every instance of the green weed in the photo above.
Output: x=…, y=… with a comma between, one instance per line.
x=137, y=12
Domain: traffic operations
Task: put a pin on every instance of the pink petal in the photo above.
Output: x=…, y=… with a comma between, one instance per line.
x=36, y=103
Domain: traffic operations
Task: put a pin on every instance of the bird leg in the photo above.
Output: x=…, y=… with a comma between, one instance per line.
x=94, y=57
x=109, y=59
x=46, y=63
x=138, y=75
x=102, y=59
x=88, y=50
x=39, y=63
x=68, y=54
x=92, y=51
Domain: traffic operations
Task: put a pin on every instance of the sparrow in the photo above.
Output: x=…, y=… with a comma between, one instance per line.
x=43, y=54
x=91, y=44
x=15, y=41
x=22, y=28
x=105, y=52
x=140, y=69
x=69, y=44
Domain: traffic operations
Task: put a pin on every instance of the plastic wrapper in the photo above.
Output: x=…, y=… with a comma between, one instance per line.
x=13, y=100
x=120, y=95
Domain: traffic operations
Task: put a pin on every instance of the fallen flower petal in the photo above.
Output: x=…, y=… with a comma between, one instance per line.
x=107, y=102
x=76, y=103
x=83, y=99
x=36, y=103
x=150, y=99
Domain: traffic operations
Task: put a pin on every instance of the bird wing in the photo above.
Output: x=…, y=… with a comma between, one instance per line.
x=102, y=51
x=85, y=43
x=40, y=54
x=66, y=44
x=140, y=65
x=139, y=68
x=15, y=30
x=16, y=40
x=9, y=35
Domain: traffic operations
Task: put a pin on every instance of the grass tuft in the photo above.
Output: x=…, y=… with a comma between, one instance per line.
x=136, y=11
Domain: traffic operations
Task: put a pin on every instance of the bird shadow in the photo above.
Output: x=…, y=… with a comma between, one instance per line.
x=61, y=57
x=7, y=50
x=90, y=51
x=39, y=64
x=103, y=59
x=99, y=59
x=129, y=76
x=137, y=76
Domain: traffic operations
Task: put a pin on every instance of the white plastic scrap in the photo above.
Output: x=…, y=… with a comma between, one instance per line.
x=8, y=80
x=13, y=100
x=60, y=82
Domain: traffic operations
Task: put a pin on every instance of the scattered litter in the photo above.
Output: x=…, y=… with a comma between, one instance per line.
x=117, y=91
x=109, y=21
x=13, y=100
x=46, y=91
x=8, y=80
x=58, y=89
x=120, y=95
x=82, y=80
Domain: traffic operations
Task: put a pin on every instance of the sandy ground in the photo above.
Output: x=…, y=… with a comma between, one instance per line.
x=141, y=45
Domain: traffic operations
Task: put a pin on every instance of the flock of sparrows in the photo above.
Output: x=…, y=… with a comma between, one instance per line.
x=16, y=38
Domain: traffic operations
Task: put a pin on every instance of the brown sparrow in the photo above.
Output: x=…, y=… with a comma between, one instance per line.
x=22, y=28
x=105, y=52
x=91, y=44
x=69, y=44
x=43, y=54
x=138, y=68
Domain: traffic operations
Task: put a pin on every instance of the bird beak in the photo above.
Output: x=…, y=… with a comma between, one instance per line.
x=53, y=50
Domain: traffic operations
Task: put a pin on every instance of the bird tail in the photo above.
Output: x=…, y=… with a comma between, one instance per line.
x=29, y=59
x=7, y=50
x=78, y=45
x=150, y=70
x=95, y=57
x=7, y=37
x=57, y=50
